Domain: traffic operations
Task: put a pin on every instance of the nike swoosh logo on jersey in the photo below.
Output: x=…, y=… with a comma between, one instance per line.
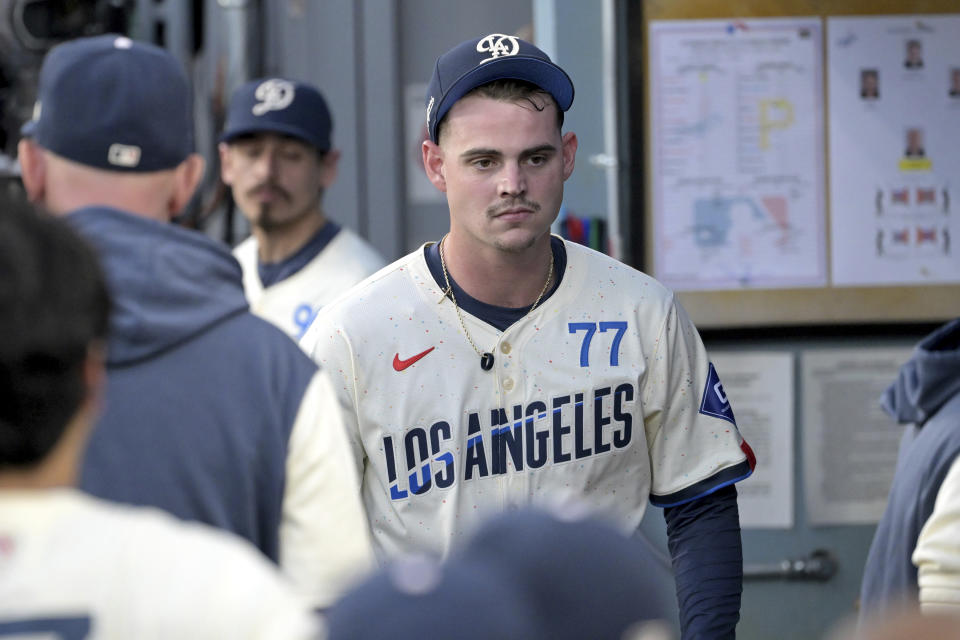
x=400, y=365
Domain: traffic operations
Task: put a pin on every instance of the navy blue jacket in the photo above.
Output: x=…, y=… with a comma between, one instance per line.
x=201, y=395
x=926, y=398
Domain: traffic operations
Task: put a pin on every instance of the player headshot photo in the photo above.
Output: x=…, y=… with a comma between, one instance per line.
x=954, y=82
x=869, y=84
x=915, y=143
x=914, y=55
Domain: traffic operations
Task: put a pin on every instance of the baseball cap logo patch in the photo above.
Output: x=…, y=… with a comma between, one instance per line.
x=273, y=95
x=123, y=155
x=498, y=45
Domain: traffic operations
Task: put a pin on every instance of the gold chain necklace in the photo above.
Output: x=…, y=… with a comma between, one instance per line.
x=486, y=358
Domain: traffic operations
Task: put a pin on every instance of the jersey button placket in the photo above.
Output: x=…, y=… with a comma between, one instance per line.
x=507, y=383
x=513, y=485
x=506, y=482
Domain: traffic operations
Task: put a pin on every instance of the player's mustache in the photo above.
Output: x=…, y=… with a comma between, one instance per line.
x=499, y=208
x=272, y=186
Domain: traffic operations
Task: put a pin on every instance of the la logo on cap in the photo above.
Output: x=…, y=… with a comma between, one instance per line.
x=274, y=95
x=498, y=45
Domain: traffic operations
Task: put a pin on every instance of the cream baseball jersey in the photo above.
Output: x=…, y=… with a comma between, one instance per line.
x=602, y=394
x=292, y=303
x=73, y=567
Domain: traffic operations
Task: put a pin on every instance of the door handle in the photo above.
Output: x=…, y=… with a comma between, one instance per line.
x=820, y=565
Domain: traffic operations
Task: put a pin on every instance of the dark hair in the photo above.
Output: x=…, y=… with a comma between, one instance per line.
x=510, y=90
x=53, y=305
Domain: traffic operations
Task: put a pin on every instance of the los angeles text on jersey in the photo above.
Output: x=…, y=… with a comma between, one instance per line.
x=510, y=439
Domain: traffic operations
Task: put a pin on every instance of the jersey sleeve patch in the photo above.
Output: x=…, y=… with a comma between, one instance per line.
x=722, y=478
x=714, y=401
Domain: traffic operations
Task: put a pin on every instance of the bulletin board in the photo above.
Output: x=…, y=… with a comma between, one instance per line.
x=909, y=271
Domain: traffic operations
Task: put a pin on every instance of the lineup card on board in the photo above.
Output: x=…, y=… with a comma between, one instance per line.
x=894, y=92
x=737, y=153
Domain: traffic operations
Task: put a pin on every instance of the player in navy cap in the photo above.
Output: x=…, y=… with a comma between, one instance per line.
x=211, y=413
x=73, y=566
x=503, y=366
x=277, y=155
x=526, y=574
x=419, y=597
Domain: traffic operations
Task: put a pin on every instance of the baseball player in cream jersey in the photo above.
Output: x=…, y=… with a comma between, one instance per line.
x=503, y=366
x=277, y=157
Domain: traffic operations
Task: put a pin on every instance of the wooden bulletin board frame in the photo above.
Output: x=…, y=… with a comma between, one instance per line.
x=731, y=309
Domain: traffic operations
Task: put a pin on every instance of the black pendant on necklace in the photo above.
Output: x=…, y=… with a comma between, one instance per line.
x=486, y=361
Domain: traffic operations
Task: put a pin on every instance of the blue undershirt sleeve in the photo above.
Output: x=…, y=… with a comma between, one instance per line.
x=703, y=536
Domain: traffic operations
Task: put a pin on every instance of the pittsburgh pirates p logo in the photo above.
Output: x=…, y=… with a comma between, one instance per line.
x=498, y=45
x=273, y=95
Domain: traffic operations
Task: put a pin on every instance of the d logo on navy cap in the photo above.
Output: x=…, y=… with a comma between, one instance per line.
x=493, y=57
x=277, y=105
x=273, y=95
x=113, y=103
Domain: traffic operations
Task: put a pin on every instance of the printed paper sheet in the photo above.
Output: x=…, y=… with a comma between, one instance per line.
x=737, y=153
x=894, y=92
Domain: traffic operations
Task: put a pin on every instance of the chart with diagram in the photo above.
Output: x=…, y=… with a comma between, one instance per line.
x=737, y=153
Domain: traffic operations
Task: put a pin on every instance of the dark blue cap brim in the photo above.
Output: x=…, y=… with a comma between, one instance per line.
x=276, y=127
x=537, y=71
